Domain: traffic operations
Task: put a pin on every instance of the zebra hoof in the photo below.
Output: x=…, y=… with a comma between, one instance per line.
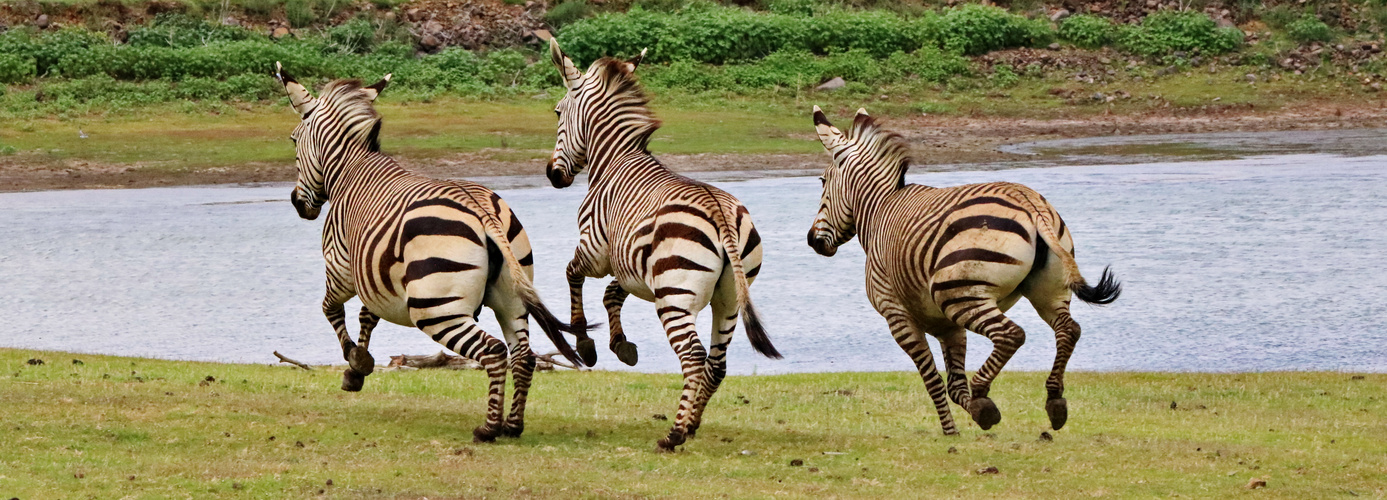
x=484, y=434
x=361, y=361
x=352, y=380
x=587, y=350
x=675, y=438
x=984, y=412
x=513, y=430
x=626, y=352
x=1058, y=409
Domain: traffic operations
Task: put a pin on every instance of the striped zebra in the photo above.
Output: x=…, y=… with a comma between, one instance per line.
x=417, y=251
x=944, y=261
x=677, y=242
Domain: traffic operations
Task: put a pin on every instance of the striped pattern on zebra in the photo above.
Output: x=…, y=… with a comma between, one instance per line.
x=677, y=242
x=944, y=261
x=417, y=251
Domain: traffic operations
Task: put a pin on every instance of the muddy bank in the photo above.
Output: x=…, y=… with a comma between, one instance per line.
x=940, y=143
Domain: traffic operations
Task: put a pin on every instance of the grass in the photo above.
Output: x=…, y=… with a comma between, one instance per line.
x=125, y=427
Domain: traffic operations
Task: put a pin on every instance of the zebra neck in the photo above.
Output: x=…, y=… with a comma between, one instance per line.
x=865, y=200
x=620, y=166
x=357, y=167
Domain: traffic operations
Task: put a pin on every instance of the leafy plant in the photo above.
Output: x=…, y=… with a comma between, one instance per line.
x=1087, y=31
x=1309, y=29
x=1167, y=32
x=566, y=13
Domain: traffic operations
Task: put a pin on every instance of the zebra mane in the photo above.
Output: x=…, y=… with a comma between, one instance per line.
x=355, y=112
x=622, y=87
x=886, y=149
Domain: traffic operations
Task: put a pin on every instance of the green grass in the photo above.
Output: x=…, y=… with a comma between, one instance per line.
x=124, y=427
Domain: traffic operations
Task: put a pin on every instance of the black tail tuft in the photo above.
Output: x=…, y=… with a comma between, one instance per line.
x=757, y=333
x=1106, y=292
x=554, y=328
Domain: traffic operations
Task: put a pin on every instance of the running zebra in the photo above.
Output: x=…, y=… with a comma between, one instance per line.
x=946, y=260
x=679, y=243
x=419, y=252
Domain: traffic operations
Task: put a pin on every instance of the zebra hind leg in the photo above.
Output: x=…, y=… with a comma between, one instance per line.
x=678, y=318
x=522, y=368
x=1066, y=336
x=613, y=300
x=955, y=345
x=587, y=349
x=715, y=368
x=462, y=335
x=915, y=345
x=1006, y=338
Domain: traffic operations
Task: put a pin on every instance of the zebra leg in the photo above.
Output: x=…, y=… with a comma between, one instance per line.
x=955, y=345
x=678, y=314
x=352, y=380
x=461, y=334
x=908, y=337
x=1006, y=338
x=586, y=348
x=359, y=357
x=522, y=368
x=715, y=368
x=1066, y=335
x=613, y=300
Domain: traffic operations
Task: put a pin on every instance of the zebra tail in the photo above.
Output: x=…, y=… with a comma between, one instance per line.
x=553, y=327
x=755, y=332
x=1108, y=288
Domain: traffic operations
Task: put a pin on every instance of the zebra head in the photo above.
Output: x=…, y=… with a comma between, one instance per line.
x=603, y=110
x=868, y=163
x=333, y=129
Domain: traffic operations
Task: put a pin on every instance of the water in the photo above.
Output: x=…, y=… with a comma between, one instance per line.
x=1265, y=263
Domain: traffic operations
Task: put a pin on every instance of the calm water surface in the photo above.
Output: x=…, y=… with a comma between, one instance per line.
x=1269, y=263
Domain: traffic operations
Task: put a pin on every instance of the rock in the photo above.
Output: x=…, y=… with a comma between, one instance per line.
x=836, y=83
x=748, y=453
x=1054, y=46
x=42, y=21
x=988, y=470
x=433, y=27
x=1251, y=78
x=1223, y=22
x=1104, y=60
x=412, y=14
x=280, y=32
x=1098, y=96
x=430, y=42
x=1255, y=483
x=796, y=462
x=390, y=16
x=230, y=21
x=1059, y=15
x=1375, y=87
x=953, y=450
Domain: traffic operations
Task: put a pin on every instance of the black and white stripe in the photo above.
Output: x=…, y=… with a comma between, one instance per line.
x=944, y=261
x=679, y=243
x=417, y=251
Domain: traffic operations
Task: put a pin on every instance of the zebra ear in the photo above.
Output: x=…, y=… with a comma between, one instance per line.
x=299, y=97
x=828, y=134
x=861, y=122
x=635, y=61
x=566, y=67
x=373, y=90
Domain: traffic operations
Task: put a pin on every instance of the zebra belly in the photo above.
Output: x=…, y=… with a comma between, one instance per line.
x=389, y=308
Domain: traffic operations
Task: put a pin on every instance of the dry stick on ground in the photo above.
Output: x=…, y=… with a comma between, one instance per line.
x=544, y=362
x=286, y=359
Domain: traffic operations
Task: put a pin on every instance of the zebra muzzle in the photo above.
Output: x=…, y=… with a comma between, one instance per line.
x=821, y=245
x=305, y=208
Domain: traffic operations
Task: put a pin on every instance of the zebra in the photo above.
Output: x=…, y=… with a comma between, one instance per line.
x=944, y=261
x=417, y=251
x=665, y=238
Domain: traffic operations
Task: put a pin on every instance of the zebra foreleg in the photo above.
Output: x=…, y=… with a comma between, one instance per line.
x=613, y=300
x=915, y=345
x=460, y=334
x=678, y=319
x=1006, y=338
x=586, y=348
x=352, y=380
x=1066, y=336
x=359, y=357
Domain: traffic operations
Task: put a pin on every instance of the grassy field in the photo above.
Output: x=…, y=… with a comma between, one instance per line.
x=114, y=427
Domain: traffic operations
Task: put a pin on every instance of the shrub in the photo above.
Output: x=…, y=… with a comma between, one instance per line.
x=300, y=12
x=977, y=29
x=357, y=36
x=1166, y=32
x=1309, y=29
x=180, y=30
x=16, y=68
x=1087, y=31
x=566, y=13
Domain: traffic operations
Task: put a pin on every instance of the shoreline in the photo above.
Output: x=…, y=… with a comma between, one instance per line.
x=939, y=143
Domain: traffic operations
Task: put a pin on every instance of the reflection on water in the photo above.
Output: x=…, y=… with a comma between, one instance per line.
x=1255, y=264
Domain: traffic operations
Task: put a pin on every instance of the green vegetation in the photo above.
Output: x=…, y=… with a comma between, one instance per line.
x=1167, y=32
x=1088, y=31
x=1309, y=29
x=114, y=427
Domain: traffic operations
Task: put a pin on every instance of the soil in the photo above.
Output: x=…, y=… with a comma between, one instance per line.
x=940, y=143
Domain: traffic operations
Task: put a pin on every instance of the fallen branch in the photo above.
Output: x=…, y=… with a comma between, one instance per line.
x=551, y=359
x=286, y=359
x=543, y=362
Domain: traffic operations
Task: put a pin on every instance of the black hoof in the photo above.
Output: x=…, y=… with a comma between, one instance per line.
x=692, y=432
x=484, y=434
x=626, y=352
x=587, y=351
x=361, y=361
x=675, y=438
x=352, y=380
x=513, y=430
x=984, y=412
x=1058, y=409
